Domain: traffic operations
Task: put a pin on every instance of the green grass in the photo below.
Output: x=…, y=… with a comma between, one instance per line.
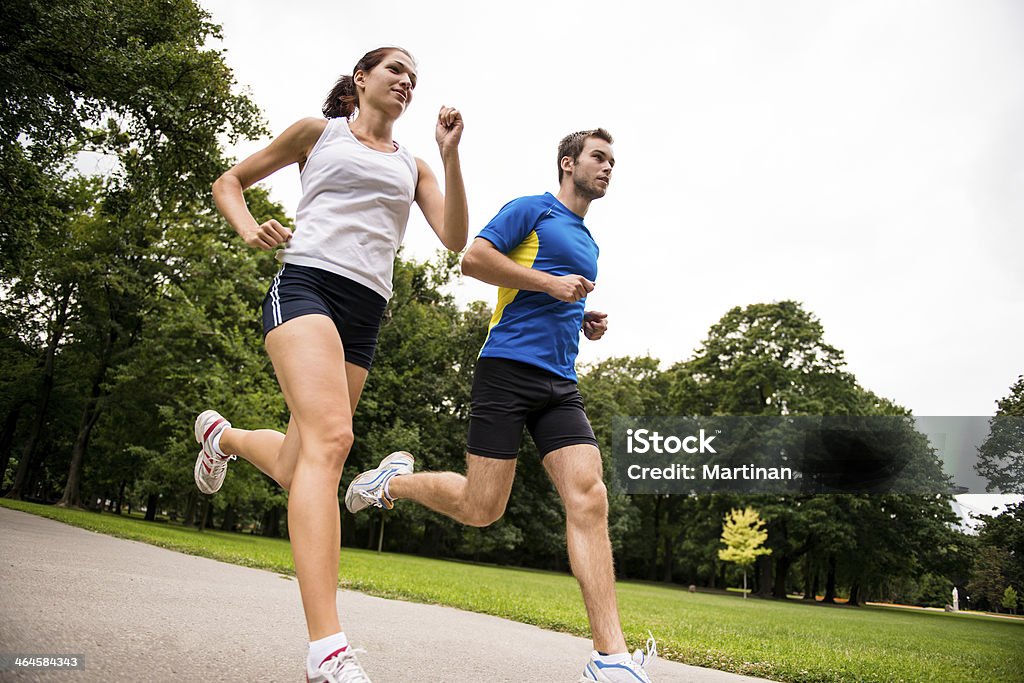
x=785, y=641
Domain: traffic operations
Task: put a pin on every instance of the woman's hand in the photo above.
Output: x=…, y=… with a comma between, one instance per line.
x=448, y=131
x=267, y=236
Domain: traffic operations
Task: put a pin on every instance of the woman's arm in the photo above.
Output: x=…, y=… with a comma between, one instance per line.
x=448, y=214
x=291, y=146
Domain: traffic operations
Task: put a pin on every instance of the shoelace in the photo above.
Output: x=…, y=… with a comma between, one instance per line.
x=651, y=654
x=218, y=465
x=371, y=498
x=345, y=668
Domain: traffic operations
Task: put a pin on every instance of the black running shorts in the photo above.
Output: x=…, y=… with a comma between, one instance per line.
x=508, y=394
x=355, y=309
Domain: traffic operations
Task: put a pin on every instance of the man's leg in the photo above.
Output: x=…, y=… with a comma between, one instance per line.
x=477, y=499
x=577, y=474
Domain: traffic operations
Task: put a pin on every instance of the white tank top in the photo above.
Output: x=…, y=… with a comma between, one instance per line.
x=354, y=208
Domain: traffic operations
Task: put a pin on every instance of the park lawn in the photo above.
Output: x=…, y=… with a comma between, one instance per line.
x=784, y=641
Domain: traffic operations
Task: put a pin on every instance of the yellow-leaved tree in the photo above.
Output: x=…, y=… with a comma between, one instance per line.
x=743, y=535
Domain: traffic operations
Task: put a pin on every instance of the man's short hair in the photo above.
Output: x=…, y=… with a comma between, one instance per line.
x=572, y=144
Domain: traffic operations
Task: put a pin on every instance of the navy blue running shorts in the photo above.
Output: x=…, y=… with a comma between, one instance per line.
x=355, y=309
x=508, y=394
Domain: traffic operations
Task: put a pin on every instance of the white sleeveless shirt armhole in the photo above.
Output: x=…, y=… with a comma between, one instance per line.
x=354, y=208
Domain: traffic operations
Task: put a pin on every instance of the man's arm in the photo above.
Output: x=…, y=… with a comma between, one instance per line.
x=484, y=262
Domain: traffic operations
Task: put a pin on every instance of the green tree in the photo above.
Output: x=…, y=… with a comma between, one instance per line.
x=130, y=79
x=134, y=83
x=988, y=577
x=1001, y=456
x=743, y=535
x=772, y=359
x=1009, y=601
x=1005, y=531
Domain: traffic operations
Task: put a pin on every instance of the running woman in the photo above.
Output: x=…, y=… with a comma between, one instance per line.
x=544, y=261
x=323, y=311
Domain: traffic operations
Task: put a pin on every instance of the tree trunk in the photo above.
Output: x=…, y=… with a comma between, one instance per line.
x=652, y=574
x=668, y=559
x=188, y=519
x=854, y=600
x=7, y=438
x=810, y=580
x=432, y=540
x=204, y=513
x=271, y=522
x=151, y=502
x=90, y=415
x=229, y=519
x=120, y=496
x=371, y=532
x=781, y=572
x=830, y=582
x=45, y=392
x=764, y=579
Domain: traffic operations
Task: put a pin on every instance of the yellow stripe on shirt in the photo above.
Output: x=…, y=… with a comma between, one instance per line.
x=524, y=254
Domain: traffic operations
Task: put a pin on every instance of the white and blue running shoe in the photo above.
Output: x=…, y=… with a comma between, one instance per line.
x=630, y=671
x=370, y=488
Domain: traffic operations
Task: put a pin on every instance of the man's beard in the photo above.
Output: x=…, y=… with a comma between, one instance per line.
x=588, y=191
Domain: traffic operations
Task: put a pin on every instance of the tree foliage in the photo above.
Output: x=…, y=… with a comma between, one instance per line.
x=1001, y=456
x=743, y=535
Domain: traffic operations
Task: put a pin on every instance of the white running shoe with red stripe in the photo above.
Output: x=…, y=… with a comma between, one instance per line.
x=211, y=464
x=341, y=667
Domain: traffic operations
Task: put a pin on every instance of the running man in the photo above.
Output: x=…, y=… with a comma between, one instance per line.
x=544, y=261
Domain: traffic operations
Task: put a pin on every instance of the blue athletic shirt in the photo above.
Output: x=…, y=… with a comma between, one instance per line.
x=539, y=232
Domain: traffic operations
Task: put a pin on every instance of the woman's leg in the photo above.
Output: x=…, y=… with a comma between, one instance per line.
x=274, y=453
x=268, y=449
x=310, y=365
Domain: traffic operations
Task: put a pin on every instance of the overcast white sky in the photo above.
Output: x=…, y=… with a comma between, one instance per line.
x=866, y=159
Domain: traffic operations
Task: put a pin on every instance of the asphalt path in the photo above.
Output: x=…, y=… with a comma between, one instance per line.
x=131, y=611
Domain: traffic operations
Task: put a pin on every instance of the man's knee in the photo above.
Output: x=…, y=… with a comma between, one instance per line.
x=483, y=513
x=588, y=502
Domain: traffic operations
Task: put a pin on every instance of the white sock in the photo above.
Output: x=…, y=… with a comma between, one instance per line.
x=216, y=444
x=320, y=650
x=617, y=658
